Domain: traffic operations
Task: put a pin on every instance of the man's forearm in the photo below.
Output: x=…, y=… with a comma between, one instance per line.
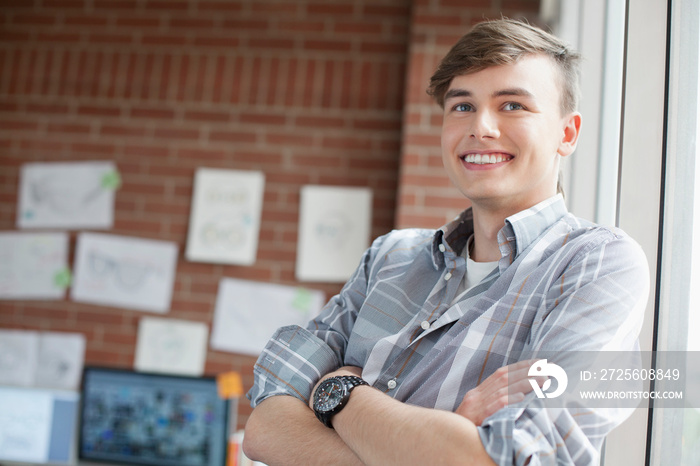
x=381, y=430
x=283, y=430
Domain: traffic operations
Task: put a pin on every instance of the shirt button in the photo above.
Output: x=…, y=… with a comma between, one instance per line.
x=391, y=384
x=448, y=275
x=441, y=248
x=425, y=325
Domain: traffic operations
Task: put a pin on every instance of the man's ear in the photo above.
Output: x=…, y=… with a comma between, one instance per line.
x=572, y=128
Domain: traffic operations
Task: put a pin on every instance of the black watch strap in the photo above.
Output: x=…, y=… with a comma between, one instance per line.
x=352, y=380
x=349, y=382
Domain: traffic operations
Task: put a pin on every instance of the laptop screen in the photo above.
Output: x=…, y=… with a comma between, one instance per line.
x=151, y=419
x=38, y=425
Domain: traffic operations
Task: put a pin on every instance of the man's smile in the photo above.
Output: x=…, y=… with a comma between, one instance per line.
x=487, y=158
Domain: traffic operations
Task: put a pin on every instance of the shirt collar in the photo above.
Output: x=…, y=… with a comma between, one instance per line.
x=518, y=232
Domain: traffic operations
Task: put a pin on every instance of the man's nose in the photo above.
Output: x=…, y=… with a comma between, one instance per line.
x=484, y=125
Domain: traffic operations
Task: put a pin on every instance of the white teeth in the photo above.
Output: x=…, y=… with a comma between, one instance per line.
x=483, y=159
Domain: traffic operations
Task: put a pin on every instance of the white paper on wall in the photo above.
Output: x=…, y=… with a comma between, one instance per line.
x=25, y=425
x=225, y=216
x=41, y=359
x=33, y=265
x=171, y=346
x=132, y=273
x=60, y=360
x=334, y=229
x=248, y=313
x=18, y=357
x=67, y=195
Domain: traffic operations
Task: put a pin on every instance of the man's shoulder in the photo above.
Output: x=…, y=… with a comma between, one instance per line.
x=589, y=235
x=405, y=237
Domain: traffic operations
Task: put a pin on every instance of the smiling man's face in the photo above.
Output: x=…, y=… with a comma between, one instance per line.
x=503, y=133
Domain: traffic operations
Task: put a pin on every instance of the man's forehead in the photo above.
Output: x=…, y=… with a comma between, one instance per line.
x=527, y=77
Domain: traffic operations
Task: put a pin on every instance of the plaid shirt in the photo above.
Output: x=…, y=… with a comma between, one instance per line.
x=562, y=284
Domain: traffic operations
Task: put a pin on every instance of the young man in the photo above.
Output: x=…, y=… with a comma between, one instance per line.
x=409, y=363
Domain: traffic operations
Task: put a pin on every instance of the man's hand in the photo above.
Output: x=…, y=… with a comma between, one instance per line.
x=508, y=385
x=345, y=370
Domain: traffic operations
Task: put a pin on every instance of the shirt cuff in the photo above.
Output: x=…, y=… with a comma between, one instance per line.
x=292, y=362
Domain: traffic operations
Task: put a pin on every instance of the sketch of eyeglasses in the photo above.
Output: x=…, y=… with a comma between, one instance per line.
x=230, y=233
x=129, y=274
x=63, y=195
x=332, y=229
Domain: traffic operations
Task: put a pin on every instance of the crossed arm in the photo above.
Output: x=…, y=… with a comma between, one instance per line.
x=376, y=429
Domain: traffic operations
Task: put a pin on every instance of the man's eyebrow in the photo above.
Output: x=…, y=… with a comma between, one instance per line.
x=514, y=91
x=452, y=93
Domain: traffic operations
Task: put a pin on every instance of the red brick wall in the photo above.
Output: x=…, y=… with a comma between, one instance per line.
x=310, y=92
x=427, y=198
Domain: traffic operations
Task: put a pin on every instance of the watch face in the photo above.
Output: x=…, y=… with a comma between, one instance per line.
x=328, y=395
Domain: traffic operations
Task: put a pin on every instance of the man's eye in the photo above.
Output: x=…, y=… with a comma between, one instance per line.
x=462, y=108
x=512, y=106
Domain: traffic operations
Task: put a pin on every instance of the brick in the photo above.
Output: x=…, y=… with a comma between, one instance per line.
x=162, y=39
x=263, y=119
x=123, y=130
x=221, y=117
x=176, y=133
x=271, y=43
x=202, y=155
x=140, y=227
x=167, y=5
x=437, y=20
x=346, y=143
x=233, y=136
x=301, y=26
x=352, y=27
x=86, y=20
x=14, y=36
x=191, y=23
x=115, y=4
x=246, y=24
x=63, y=4
x=118, y=39
x=98, y=111
x=320, y=122
x=258, y=158
x=138, y=22
x=330, y=9
x=146, y=151
x=93, y=148
x=34, y=19
x=289, y=139
x=222, y=5
x=73, y=128
x=53, y=109
x=391, y=11
x=328, y=45
x=216, y=41
x=152, y=113
x=267, y=8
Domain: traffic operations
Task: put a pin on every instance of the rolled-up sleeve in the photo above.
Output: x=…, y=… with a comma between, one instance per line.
x=295, y=358
x=291, y=363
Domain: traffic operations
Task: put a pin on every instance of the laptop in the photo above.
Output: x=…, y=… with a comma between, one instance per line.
x=149, y=419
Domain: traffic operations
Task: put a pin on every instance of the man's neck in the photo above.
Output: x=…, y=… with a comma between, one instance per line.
x=486, y=228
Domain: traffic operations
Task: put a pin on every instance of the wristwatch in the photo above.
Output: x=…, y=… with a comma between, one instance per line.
x=332, y=395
